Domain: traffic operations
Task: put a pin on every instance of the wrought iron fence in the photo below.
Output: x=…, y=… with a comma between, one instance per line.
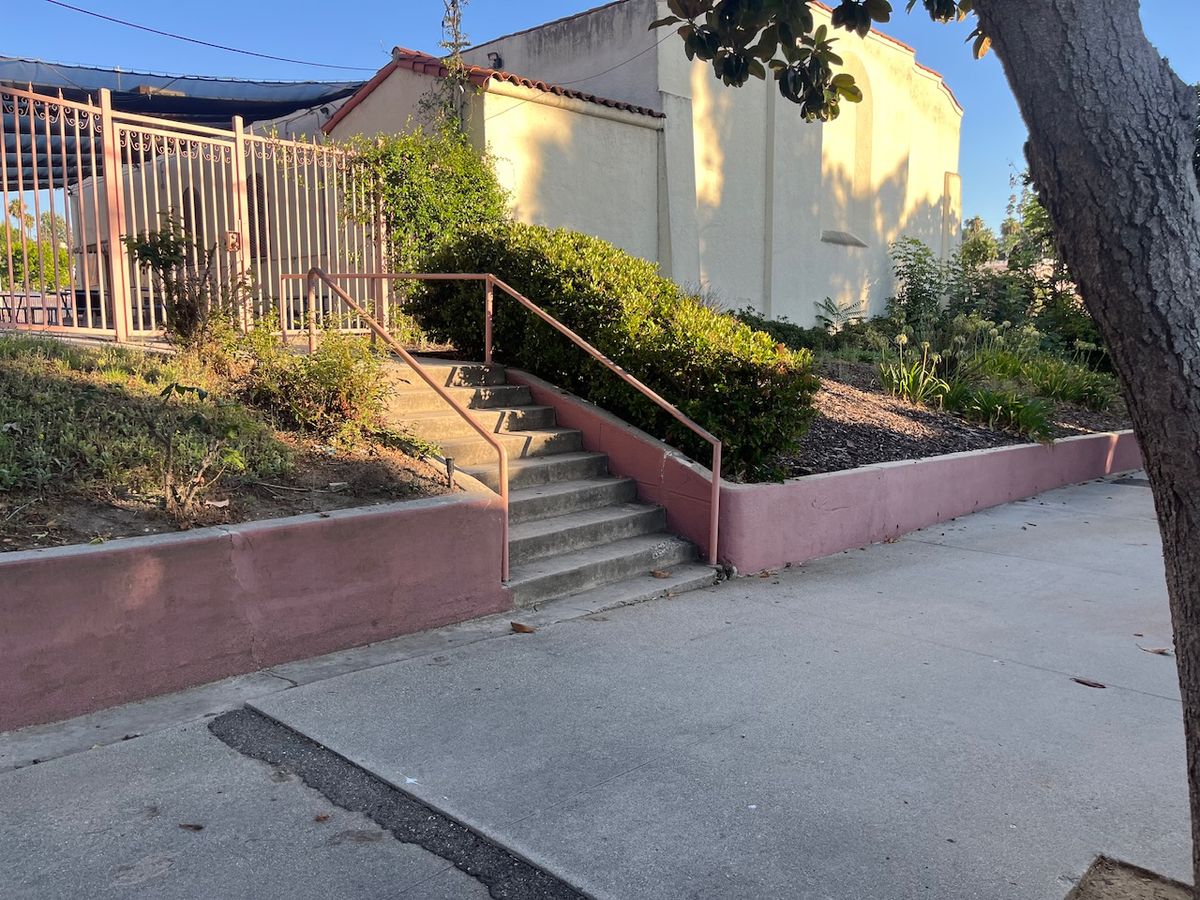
x=77, y=179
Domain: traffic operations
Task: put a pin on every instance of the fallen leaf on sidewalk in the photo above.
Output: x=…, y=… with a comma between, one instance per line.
x=522, y=628
x=1157, y=651
x=659, y=573
x=1092, y=684
x=187, y=827
x=323, y=817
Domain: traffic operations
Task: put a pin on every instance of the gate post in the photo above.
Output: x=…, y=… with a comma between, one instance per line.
x=241, y=223
x=114, y=202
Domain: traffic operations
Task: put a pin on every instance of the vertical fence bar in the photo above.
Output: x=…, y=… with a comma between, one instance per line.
x=102, y=269
x=118, y=263
x=242, y=222
x=9, y=286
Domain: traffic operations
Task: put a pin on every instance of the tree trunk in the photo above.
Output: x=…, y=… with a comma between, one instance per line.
x=1111, y=140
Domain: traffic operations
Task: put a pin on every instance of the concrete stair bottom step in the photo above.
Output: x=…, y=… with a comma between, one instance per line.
x=546, y=501
x=586, y=528
x=640, y=588
x=560, y=576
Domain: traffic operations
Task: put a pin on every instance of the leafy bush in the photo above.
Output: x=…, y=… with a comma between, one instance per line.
x=193, y=305
x=432, y=185
x=335, y=392
x=740, y=384
x=920, y=286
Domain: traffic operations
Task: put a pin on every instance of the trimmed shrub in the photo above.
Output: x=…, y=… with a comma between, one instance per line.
x=744, y=387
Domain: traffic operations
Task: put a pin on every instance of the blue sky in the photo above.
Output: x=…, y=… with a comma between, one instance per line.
x=993, y=133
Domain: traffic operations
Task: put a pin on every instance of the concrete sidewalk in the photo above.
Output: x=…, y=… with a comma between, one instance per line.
x=892, y=723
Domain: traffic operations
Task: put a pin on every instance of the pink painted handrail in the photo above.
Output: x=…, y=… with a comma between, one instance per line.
x=674, y=411
x=491, y=282
x=315, y=275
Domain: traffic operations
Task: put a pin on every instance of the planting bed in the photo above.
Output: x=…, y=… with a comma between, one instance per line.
x=858, y=425
x=322, y=479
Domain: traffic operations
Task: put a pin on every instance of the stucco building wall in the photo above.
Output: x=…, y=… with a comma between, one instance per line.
x=754, y=204
x=731, y=192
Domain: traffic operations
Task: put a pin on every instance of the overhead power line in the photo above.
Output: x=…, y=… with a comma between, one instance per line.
x=192, y=40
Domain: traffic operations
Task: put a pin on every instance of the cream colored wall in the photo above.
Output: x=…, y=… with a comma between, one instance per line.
x=573, y=167
x=748, y=190
x=393, y=106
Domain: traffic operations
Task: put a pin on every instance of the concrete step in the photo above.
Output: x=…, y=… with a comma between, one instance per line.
x=475, y=451
x=545, y=501
x=561, y=576
x=578, y=530
x=541, y=470
x=445, y=372
x=640, y=588
x=406, y=400
x=437, y=425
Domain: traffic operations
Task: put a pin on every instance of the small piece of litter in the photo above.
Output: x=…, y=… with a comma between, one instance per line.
x=186, y=827
x=217, y=504
x=1088, y=683
x=522, y=628
x=659, y=573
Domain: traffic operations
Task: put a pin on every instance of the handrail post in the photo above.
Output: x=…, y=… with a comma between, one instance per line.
x=489, y=297
x=311, y=314
x=714, y=505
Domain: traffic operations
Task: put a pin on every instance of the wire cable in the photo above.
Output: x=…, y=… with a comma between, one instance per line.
x=192, y=40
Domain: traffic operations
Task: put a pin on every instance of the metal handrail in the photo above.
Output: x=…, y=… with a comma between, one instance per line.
x=674, y=411
x=491, y=282
x=315, y=274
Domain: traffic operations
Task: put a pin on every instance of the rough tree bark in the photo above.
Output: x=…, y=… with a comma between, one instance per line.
x=1111, y=139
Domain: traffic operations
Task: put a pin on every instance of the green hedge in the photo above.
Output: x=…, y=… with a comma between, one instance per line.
x=753, y=394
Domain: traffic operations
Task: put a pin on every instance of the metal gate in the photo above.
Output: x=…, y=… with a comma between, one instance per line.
x=76, y=179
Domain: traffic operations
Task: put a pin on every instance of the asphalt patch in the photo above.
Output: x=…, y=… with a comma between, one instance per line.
x=344, y=784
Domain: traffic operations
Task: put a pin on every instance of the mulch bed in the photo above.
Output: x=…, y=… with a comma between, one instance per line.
x=858, y=425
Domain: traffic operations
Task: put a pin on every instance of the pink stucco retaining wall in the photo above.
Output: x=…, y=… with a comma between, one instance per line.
x=763, y=526
x=88, y=627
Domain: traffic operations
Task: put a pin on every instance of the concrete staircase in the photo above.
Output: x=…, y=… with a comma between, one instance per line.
x=575, y=529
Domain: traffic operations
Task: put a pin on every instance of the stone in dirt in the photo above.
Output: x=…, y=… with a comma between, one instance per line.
x=1109, y=879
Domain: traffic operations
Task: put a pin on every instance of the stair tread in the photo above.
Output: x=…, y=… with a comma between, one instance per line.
x=527, y=462
x=565, y=488
x=579, y=519
x=640, y=588
x=524, y=433
x=670, y=546
x=479, y=412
